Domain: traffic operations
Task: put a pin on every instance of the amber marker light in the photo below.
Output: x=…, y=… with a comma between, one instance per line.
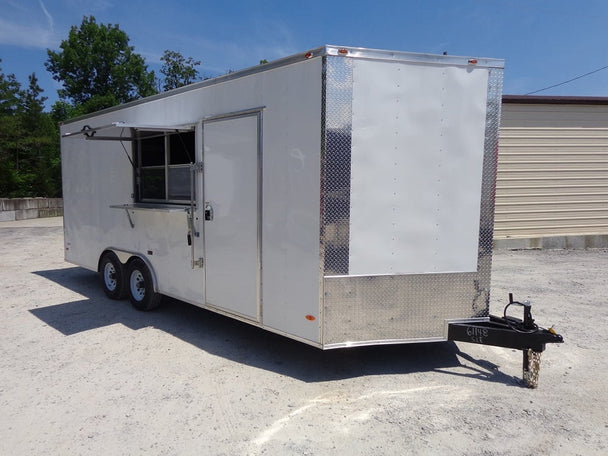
x=343, y=51
x=308, y=55
x=310, y=317
x=472, y=61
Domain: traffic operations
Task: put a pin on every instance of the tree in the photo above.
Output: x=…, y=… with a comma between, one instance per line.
x=39, y=166
x=98, y=68
x=33, y=104
x=62, y=111
x=10, y=131
x=177, y=70
x=29, y=142
x=9, y=93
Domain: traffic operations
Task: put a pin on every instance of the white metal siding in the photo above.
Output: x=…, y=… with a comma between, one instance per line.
x=431, y=142
x=552, y=171
x=97, y=174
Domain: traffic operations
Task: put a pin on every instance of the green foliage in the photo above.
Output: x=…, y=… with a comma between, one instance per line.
x=177, y=70
x=62, y=111
x=98, y=68
x=33, y=104
x=29, y=142
x=9, y=93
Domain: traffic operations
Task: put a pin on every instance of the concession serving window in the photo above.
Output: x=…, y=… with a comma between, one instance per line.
x=162, y=158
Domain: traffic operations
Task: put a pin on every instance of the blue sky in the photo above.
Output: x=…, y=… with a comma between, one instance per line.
x=543, y=42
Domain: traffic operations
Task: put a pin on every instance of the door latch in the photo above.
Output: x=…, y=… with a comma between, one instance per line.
x=208, y=212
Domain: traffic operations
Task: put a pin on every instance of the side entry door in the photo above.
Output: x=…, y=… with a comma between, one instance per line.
x=232, y=191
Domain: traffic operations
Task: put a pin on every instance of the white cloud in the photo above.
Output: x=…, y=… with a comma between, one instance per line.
x=49, y=18
x=18, y=6
x=217, y=56
x=266, y=39
x=221, y=56
x=26, y=27
x=90, y=6
x=151, y=57
x=29, y=36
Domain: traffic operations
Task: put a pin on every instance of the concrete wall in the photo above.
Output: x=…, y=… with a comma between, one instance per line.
x=29, y=208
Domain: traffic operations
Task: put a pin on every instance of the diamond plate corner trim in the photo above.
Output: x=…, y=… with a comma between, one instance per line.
x=488, y=191
x=336, y=164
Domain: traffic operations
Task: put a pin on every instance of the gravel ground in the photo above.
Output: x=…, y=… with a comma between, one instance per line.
x=81, y=374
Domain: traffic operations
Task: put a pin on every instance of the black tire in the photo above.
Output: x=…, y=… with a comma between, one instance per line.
x=140, y=286
x=112, y=276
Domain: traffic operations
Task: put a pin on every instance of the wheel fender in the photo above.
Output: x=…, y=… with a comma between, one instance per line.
x=129, y=256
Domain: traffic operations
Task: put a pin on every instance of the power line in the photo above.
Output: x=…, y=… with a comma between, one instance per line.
x=569, y=80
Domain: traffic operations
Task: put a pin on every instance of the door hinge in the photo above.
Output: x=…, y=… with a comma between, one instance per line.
x=198, y=263
x=197, y=167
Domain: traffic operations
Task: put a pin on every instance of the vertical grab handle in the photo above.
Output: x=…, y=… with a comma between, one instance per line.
x=190, y=215
x=192, y=199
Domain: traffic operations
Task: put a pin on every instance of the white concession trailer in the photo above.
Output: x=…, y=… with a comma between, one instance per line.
x=340, y=197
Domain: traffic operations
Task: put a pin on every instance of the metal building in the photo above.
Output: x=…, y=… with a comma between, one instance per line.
x=552, y=181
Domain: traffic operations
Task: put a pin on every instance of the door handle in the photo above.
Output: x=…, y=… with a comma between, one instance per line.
x=208, y=212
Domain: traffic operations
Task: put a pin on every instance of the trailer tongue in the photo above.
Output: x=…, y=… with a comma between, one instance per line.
x=510, y=332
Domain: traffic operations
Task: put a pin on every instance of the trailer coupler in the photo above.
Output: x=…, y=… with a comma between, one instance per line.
x=509, y=332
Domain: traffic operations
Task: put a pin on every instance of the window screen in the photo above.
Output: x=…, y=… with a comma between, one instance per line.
x=164, y=167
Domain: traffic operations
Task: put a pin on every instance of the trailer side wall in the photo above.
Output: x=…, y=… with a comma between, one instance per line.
x=97, y=174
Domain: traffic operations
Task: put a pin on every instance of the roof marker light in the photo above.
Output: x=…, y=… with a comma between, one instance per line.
x=472, y=61
x=343, y=51
x=310, y=317
x=308, y=55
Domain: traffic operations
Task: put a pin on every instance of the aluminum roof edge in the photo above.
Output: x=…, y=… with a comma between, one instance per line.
x=326, y=50
x=415, y=57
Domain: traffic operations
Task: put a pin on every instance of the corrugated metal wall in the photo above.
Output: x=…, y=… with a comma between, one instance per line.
x=552, y=171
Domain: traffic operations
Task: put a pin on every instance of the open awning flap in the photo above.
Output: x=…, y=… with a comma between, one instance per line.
x=125, y=131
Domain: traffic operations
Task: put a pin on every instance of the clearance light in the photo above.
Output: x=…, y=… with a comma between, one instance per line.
x=342, y=51
x=472, y=61
x=308, y=55
x=310, y=317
